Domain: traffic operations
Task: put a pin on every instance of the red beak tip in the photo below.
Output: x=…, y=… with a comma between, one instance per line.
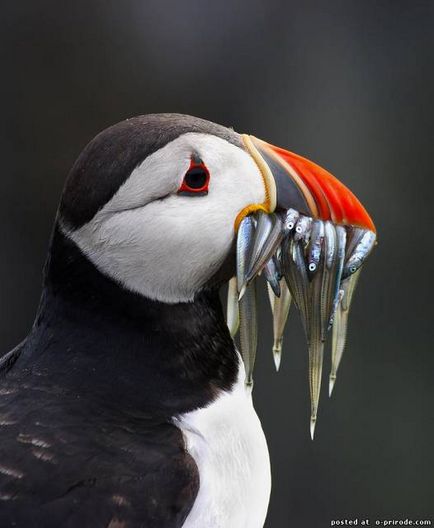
x=332, y=199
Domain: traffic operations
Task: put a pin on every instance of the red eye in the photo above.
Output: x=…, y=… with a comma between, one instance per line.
x=196, y=180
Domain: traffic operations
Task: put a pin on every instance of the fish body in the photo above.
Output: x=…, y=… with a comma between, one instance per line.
x=248, y=331
x=340, y=257
x=271, y=275
x=244, y=246
x=233, y=315
x=315, y=247
x=281, y=306
x=340, y=325
x=267, y=238
x=358, y=256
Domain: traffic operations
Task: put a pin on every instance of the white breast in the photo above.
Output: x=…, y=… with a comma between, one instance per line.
x=227, y=442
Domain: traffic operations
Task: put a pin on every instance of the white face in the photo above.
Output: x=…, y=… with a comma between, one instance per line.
x=163, y=245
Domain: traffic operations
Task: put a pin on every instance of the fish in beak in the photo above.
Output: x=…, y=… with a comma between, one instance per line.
x=309, y=239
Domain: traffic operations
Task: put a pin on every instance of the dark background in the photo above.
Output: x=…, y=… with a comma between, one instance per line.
x=348, y=84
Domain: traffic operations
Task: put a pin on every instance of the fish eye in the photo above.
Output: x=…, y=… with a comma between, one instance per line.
x=298, y=229
x=353, y=269
x=196, y=180
x=312, y=266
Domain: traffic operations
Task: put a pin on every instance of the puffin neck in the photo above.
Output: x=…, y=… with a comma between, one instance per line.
x=171, y=357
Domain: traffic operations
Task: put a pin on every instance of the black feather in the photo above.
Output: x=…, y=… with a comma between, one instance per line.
x=88, y=401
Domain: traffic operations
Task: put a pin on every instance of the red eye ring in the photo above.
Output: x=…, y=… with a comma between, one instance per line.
x=196, y=179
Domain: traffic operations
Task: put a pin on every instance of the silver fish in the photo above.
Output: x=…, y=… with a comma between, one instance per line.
x=249, y=331
x=341, y=234
x=294, y=270
x=280, y=309
x=271, y=275
x=361, y=251
x=315, y=246
x=290, y=220
x=277, y=261
x=316, y=356
x=268, y=235
x=330, y=279
x=316, y=325
x=246, y=232
x=271, y=296
x=354, y=235
x=340, y=325
x=330, y=246
x=233, y=314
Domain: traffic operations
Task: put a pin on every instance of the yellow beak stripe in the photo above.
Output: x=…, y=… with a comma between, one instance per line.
x=269, y=205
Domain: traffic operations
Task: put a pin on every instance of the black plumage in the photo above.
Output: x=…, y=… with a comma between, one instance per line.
x=87, y=401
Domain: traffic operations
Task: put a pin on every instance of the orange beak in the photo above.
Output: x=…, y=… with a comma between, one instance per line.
x=305, y=186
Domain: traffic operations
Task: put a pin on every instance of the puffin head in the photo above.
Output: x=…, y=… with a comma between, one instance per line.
x=152, y=202
x=168, y=205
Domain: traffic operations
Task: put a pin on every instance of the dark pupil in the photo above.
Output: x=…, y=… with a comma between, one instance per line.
x=195, y=178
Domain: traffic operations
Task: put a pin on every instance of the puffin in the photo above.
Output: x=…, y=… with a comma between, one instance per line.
x=129, y=403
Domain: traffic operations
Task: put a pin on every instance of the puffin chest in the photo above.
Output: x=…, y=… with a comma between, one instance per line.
x=228, y=445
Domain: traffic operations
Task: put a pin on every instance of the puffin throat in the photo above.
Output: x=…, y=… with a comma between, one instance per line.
x=115, y=339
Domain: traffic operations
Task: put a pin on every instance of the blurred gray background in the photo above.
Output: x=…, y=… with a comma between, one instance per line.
x=347, y=84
